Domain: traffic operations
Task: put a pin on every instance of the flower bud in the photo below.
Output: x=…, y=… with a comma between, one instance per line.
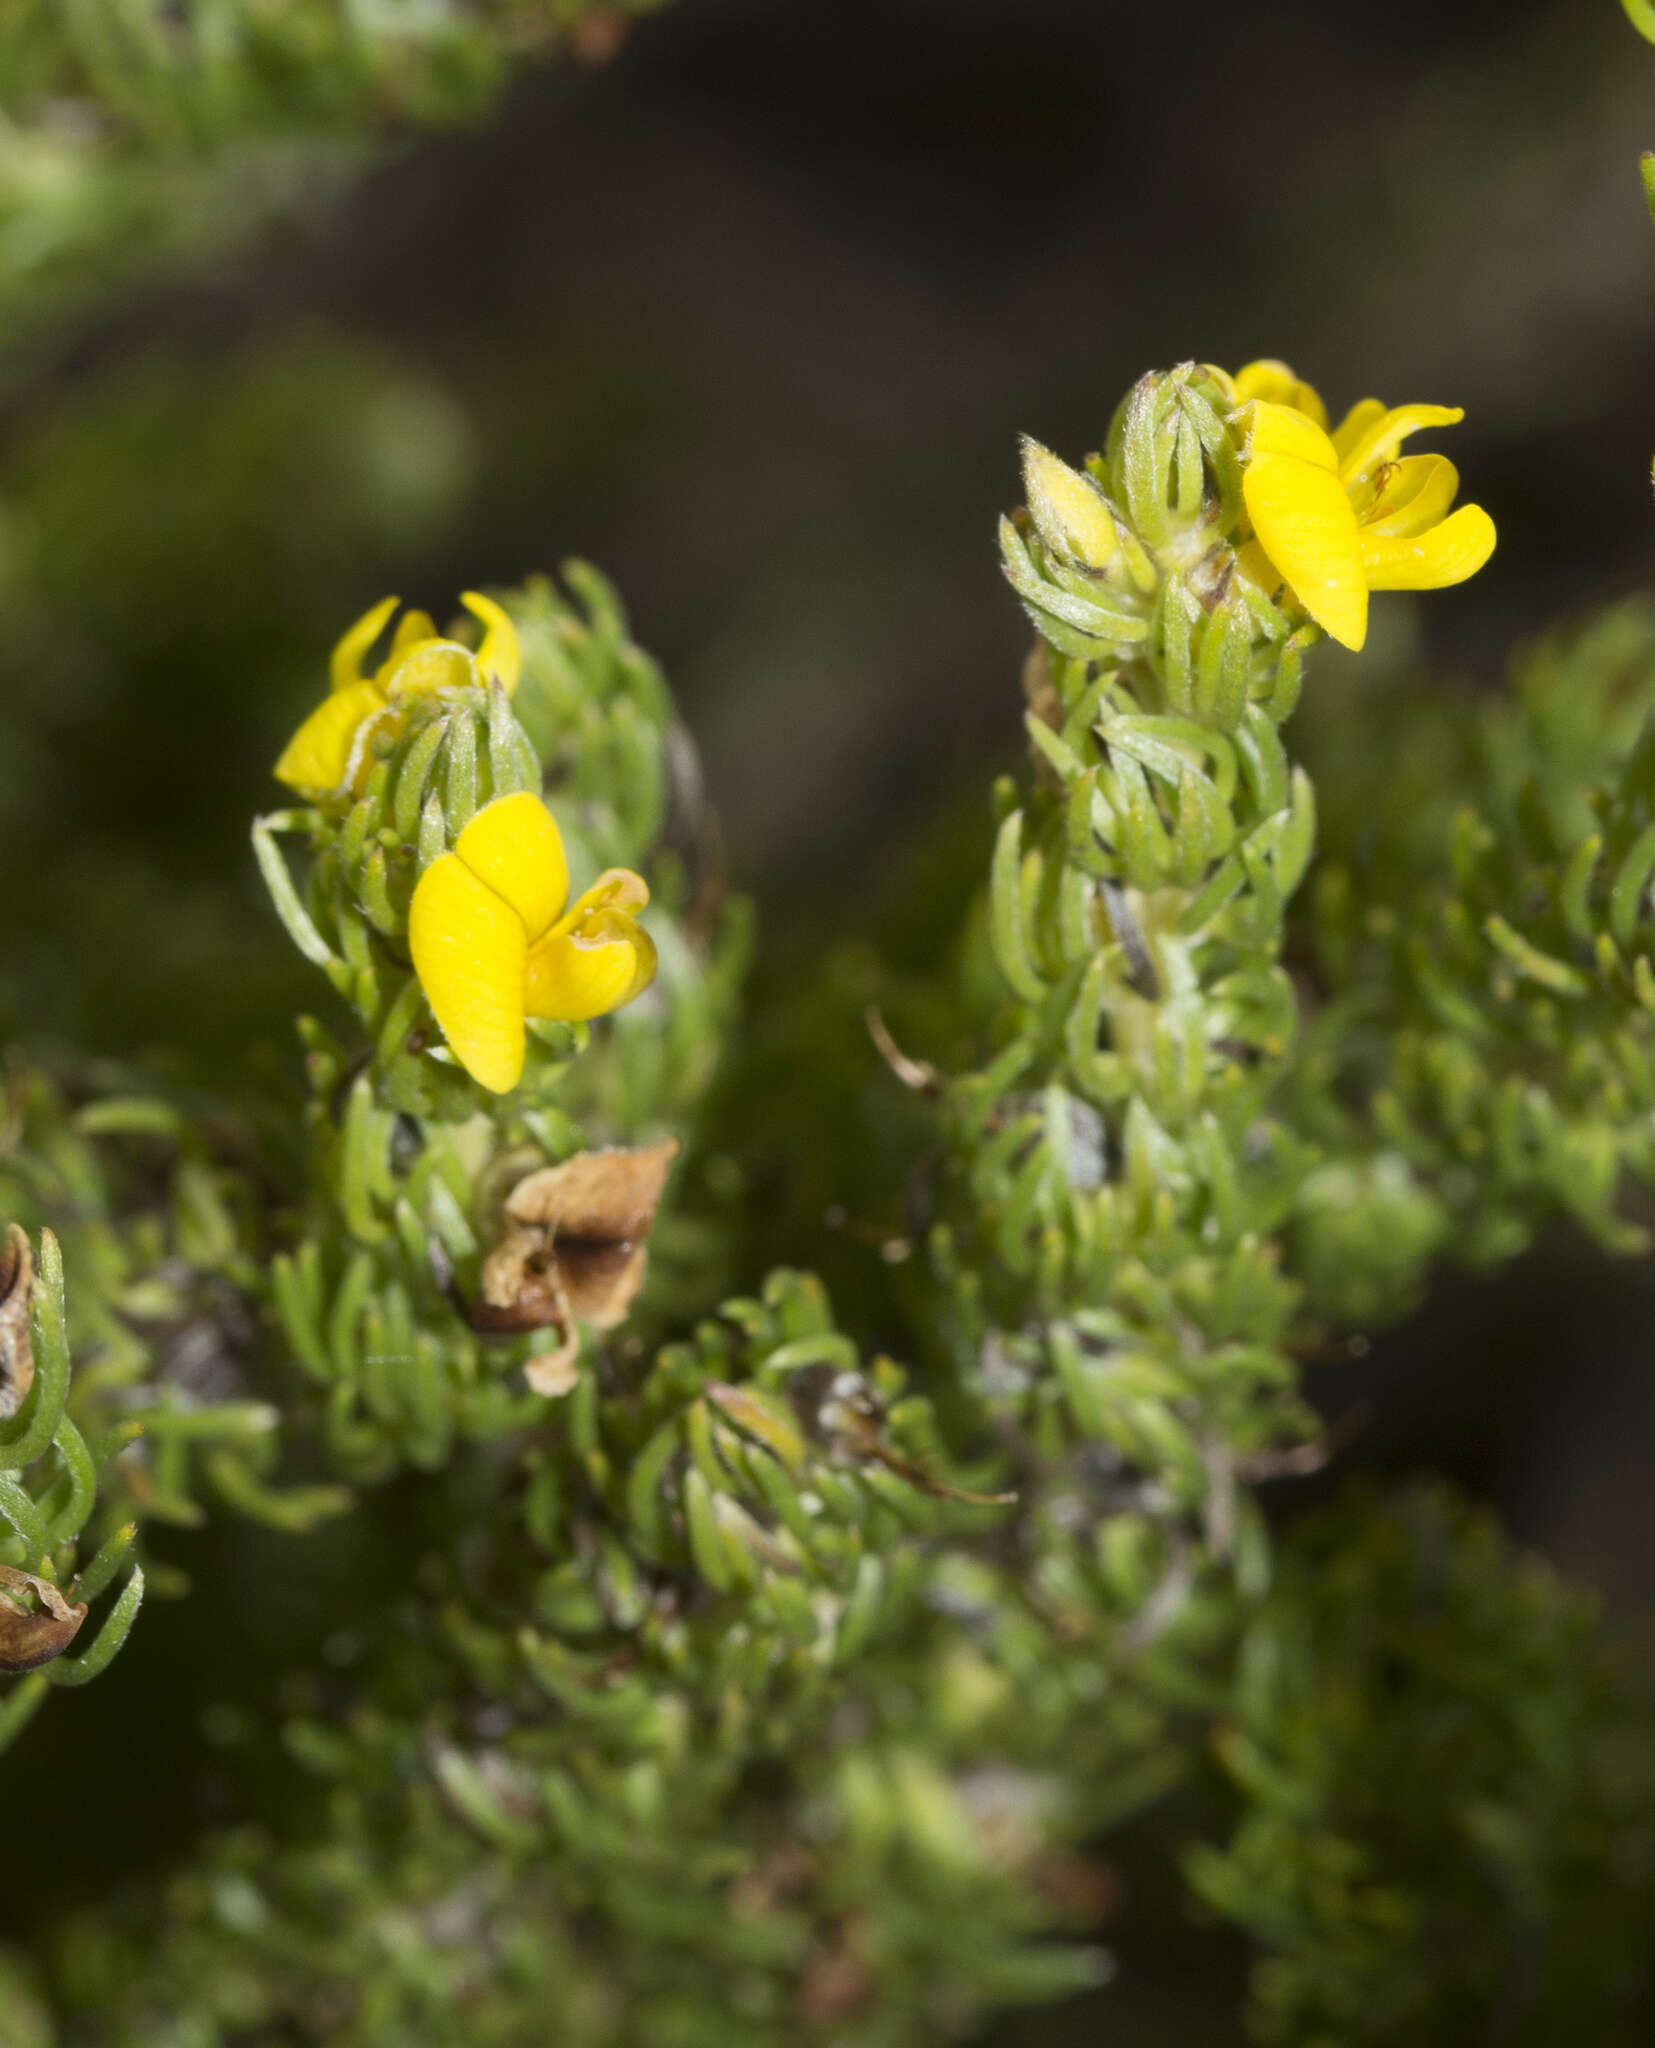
x=1067, y=508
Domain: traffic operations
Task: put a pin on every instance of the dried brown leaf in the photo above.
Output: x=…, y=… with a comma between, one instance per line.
x=576, y=1242
x=601, y=1280
x=609, y=1196
x=842, y=1410
x=553, y=1373
x=36, y=1622
x=16, y=1344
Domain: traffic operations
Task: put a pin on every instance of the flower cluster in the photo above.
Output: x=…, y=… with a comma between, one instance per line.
x=492, y=937
x=331, y=753
x=1223, y=528
x=1336, y=514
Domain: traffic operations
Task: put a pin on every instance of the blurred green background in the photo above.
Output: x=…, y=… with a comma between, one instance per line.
x=751, y=313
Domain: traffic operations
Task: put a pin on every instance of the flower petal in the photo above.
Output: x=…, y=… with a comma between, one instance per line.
x=428, y=666
x=1414, y=494
x=1307, y=527
x=1449, y=553
x=345, y=663
x=1356, y=423
x=1270, y=378
x=470, y=953
x=644, y=963
x=586, y=968
x=615, y=889
x=501, y=654
x=1258, y=568
x=1283, y=430
x=513, y=845
x=317, y=756
x=1383, y=435
x=413, y=627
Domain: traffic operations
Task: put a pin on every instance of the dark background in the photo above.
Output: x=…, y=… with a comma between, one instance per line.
x=751, y=314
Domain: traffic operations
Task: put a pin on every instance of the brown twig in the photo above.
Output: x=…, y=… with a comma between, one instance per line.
x=912, y=1073
x=1299, y=1461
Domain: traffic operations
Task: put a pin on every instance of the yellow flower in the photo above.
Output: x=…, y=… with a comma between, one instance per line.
x=329, y=752
x=493, y=944
x=1339, y=513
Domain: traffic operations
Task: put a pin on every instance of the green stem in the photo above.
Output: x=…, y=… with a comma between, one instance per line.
x=117, y=1625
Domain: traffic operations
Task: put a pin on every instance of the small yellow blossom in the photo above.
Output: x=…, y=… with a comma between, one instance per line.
x=1337, y=513
x=493, y=944
x=329, y=753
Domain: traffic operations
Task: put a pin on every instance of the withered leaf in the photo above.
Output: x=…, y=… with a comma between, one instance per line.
x=36, y=1622
x=939, y=1489
x=16, y=1344
x=842, y=1410
x=576, y=1241
x=553, y=1373
x=606, y=1195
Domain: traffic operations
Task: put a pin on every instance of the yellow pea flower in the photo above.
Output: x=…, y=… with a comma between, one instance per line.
x=329, y=752
x=1337, y=512
x=493, y=944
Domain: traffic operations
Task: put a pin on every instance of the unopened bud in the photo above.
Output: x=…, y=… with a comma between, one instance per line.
x=1067, y=508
